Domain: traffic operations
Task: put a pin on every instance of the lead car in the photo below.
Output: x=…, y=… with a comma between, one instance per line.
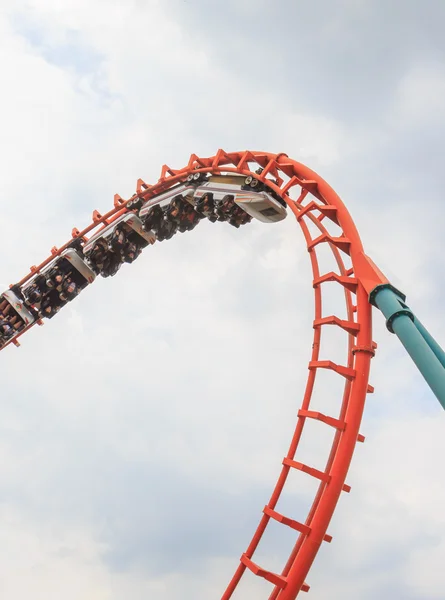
x=254, y=197
x=223, y=197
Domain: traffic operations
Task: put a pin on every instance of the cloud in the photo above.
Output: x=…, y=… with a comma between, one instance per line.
x=57, y=560
x=143, y=429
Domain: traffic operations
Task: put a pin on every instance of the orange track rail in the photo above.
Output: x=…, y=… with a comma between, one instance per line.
x=312, y=200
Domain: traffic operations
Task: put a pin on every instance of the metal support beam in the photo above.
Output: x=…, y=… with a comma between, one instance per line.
x=430, y=341
x=426, y=353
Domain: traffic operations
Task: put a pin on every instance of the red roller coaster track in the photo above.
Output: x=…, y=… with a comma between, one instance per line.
x=314, y=202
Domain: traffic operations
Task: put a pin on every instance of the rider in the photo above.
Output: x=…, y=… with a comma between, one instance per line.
x=131, y=252
x=206, y=206
x=69, y=290
x=112, y=264
x=50, y=305
x=153, y=218
x=118, y=238
x=6, y=329
x=99, y=255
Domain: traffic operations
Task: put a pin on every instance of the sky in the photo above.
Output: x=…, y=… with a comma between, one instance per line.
x=143, y=428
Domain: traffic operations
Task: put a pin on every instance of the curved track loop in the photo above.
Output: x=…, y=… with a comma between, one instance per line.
x=313, y=202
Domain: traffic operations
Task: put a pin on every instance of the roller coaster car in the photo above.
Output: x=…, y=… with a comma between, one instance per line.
x=43, y=290
x=166, y=220
x=14, y=316
x=184, y=190
x=79, y=271
x=263, y=204
x=71, y=264
x=134, y=232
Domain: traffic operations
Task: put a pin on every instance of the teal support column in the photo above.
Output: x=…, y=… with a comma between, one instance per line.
x=423, y=349
x=430, y=341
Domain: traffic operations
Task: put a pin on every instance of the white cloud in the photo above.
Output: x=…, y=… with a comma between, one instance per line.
x=48, y=561
x=419, y=99
x=146, y=424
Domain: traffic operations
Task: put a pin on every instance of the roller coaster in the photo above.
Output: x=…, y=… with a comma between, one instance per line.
x=235, y=188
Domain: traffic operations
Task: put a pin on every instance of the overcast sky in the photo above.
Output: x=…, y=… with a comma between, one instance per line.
x=142, y=430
